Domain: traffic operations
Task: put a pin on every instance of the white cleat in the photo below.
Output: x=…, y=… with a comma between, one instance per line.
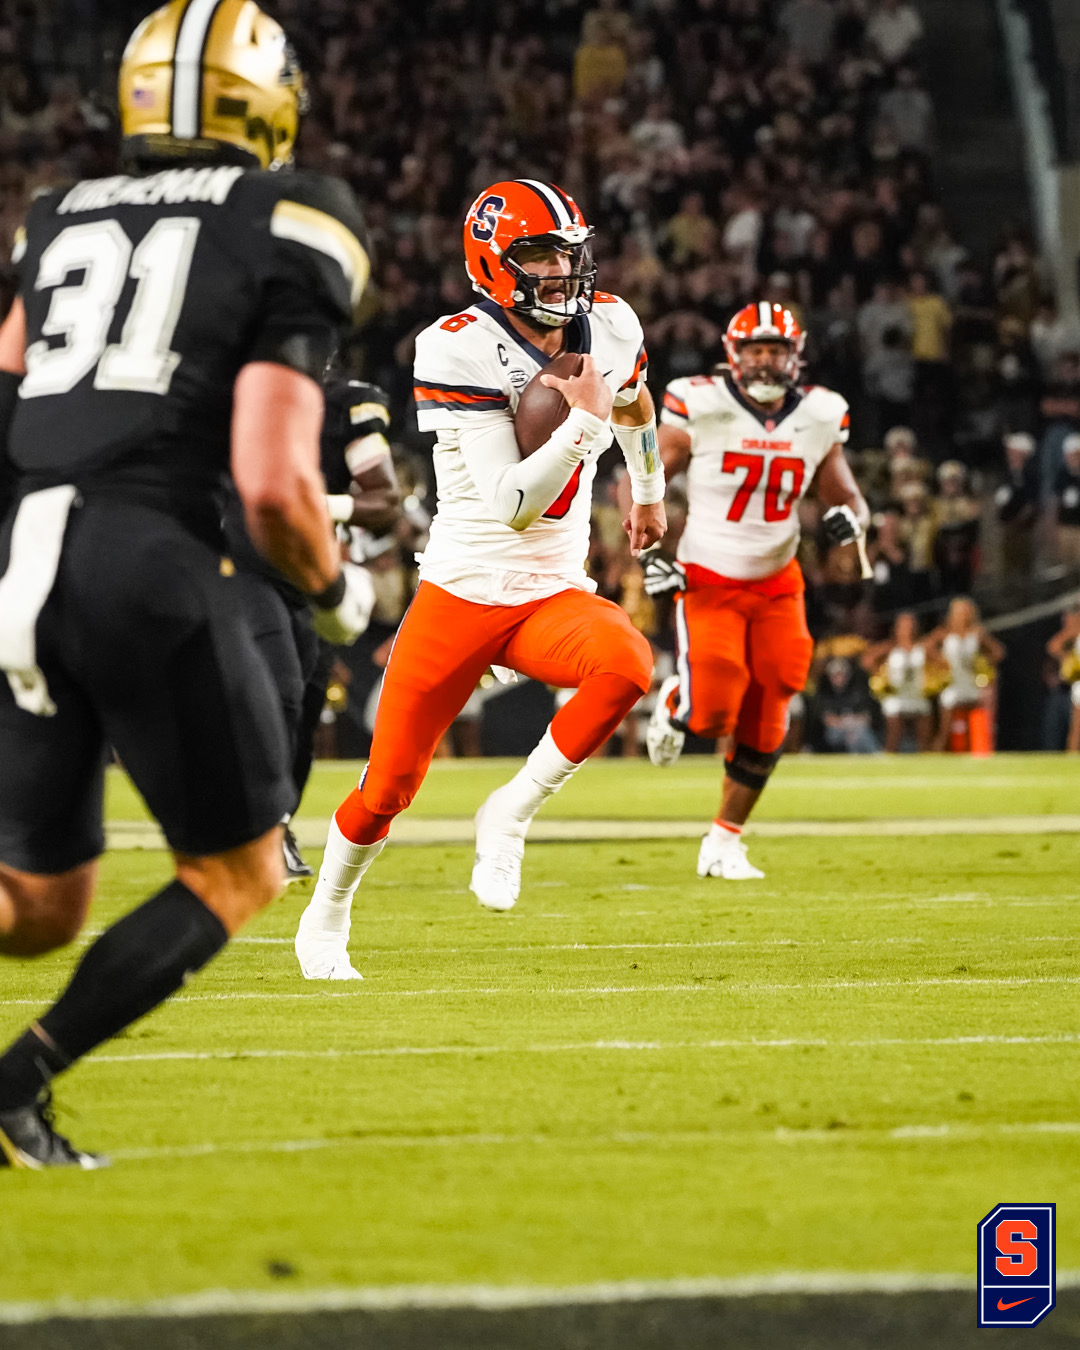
x=726, y=858
x=323, y=956
x=663, y=740
x=496, y=874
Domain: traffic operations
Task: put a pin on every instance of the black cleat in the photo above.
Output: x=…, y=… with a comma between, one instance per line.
x=295, y=866
x=28, y=1140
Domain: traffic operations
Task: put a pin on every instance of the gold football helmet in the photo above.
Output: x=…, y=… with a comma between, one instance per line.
x=202, y=75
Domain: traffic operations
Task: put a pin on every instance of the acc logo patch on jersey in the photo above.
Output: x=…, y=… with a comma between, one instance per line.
x=1017, y=1252
x=486, y=220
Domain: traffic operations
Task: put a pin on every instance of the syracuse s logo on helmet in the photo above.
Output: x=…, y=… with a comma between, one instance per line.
x=486, y=220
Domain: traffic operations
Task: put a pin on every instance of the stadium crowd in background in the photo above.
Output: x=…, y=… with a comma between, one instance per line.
x=725, y=150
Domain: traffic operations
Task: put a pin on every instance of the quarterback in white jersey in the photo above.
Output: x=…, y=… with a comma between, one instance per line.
x=502, y=581
x=470, y=370
x=752, y=441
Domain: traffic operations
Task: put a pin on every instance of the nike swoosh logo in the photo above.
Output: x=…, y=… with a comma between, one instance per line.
x=607, y=373
x=580, y=438
x=1004, y=1307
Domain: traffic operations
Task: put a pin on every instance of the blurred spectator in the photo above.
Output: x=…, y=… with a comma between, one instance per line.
x=893, y=29
x=909, y=109
x=690, y=234
x=894, y=587
x=932, y=322
x=1017, y=377
x=1061, y=396
x=956, y=540
x=809, y=26
x=1049, y=336
x=889, y=376
x=1017, y=276
x=1065, y=505
x=918, y=530
x=1017, y=502
x=600, y=63
x=843, y=711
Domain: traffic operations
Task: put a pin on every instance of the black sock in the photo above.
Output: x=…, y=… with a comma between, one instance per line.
x=26, y=1068
x=130, y=969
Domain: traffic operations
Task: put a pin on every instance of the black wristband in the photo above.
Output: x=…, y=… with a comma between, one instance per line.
x=332, y=596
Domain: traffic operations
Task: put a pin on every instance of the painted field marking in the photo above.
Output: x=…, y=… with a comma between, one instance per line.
x=494, y=1297
x=631, y=1138
x=311, y=833
x=480, y=949
x=708, y=985
x=578, y=1047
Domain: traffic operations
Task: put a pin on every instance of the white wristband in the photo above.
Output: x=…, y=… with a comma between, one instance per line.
x=340, y=505
x=642, y=456
x=584, y=432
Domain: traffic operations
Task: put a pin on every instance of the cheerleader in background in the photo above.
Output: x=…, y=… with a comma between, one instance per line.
x=897, y=669
x=1064, y=647
x=972, y=655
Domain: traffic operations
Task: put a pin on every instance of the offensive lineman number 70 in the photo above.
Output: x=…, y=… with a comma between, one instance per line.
x=781, y=493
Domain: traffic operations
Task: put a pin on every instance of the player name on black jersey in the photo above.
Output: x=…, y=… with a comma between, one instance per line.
x=172, y=186
x=144, y=297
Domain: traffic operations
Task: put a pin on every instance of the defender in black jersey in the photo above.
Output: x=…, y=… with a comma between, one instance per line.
x=169, y=333
x=362, y=491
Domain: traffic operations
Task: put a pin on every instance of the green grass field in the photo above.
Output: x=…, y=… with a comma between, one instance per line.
x=634, y=1075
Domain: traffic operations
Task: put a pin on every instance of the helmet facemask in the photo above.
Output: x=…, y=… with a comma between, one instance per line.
x=772, y=374
x=551, y=299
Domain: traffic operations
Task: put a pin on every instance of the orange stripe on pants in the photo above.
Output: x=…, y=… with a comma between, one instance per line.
x=444, y=644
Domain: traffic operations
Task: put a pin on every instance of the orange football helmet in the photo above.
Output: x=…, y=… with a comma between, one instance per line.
x=765, y=382
x=519, y=213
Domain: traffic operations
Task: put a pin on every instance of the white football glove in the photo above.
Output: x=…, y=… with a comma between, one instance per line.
x=662, y=576
x=342, y=623
x=841, y=525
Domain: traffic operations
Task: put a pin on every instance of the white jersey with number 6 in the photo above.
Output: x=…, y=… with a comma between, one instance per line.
x=469, y=372
x=749, y=470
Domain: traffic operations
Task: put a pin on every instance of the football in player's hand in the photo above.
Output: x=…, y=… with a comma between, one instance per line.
x=540, y=409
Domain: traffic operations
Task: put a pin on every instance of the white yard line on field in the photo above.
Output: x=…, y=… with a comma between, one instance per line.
x=495, y=949
x=706, y=986
x=311, y=833
x=625, y=1138
x=581, y=1047
x=493, y=1297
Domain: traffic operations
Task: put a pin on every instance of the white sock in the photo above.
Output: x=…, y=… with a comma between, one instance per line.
x=544, y=773
x=344, y=863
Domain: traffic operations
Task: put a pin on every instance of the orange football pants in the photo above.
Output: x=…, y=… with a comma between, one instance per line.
x=570, y=640
x=743, y=650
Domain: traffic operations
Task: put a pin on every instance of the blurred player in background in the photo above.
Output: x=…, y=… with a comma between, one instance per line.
x=362, y=492
x=752, y=442
x=170, y=324
x=502, y=581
